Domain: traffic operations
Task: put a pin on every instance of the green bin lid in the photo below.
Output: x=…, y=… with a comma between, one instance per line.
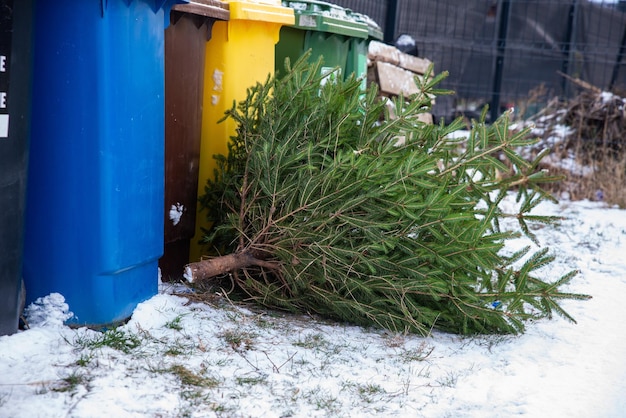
x=326, y=17
x=375, y=32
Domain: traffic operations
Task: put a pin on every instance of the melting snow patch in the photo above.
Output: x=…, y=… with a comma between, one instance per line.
x=176, y=211
x=218, y=77
x=188, y=275
x=405, y=40
x=48, y=311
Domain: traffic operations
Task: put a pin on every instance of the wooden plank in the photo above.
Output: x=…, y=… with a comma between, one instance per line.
x=415, y=64
x=378, y=51
x=395, y=80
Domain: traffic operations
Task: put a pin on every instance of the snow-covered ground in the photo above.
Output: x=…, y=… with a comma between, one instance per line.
x=177, y=358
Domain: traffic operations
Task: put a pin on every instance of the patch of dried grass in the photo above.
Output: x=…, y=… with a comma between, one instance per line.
x=587, y=136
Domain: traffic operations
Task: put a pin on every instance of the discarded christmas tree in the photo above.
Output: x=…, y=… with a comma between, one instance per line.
x=323, y=206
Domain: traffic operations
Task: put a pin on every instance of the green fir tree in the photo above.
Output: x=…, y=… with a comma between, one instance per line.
x=327, y=205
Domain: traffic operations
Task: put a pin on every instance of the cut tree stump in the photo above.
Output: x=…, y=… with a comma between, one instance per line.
x=205, y=269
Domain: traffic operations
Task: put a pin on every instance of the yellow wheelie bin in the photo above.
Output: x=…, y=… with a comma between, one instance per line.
x=239, y=54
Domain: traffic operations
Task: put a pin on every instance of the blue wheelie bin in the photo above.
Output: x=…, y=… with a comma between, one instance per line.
x=94, y=208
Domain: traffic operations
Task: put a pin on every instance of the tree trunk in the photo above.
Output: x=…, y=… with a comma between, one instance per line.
x=212, y=267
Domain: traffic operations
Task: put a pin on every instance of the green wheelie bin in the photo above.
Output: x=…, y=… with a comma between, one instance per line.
x=326, y=30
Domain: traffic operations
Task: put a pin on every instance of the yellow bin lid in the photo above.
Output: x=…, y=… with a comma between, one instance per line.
x=263, y=10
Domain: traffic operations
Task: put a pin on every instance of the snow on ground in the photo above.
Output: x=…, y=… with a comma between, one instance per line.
x=176, y=358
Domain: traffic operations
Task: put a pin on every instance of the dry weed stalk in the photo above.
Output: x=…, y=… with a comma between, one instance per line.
x=592, y=152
